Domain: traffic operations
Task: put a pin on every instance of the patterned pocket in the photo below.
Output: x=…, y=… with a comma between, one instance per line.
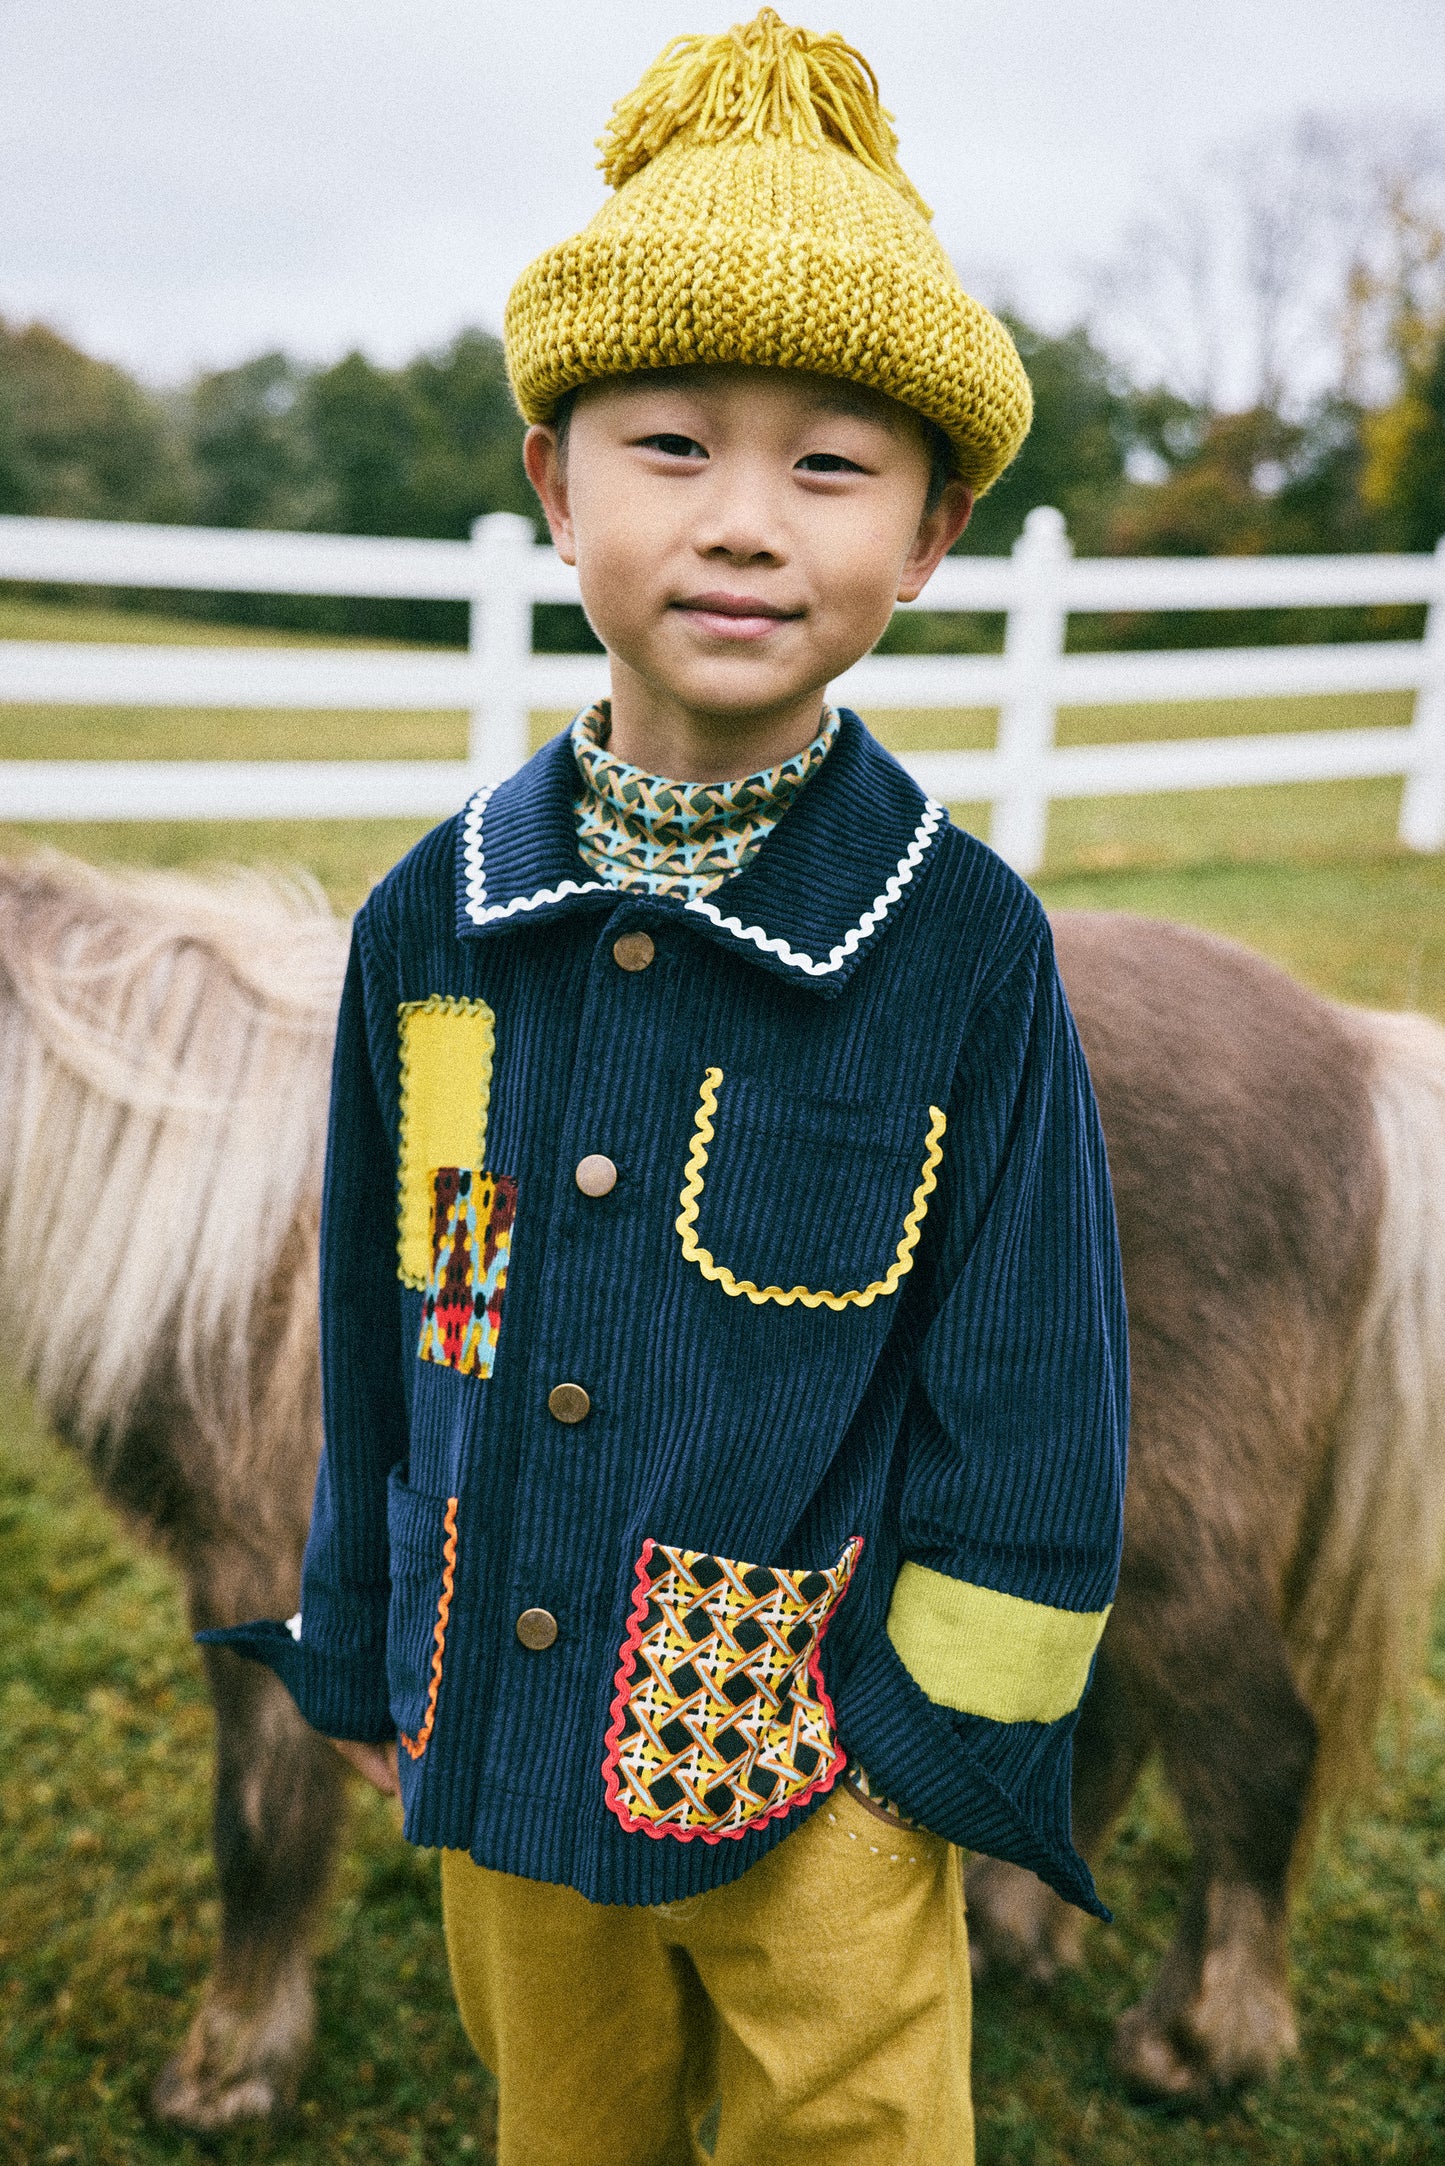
x=471, y=1244
x=721, y=1719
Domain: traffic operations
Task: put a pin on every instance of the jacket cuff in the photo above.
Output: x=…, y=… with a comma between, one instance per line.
x=341, y=1695
x=1001, y=1789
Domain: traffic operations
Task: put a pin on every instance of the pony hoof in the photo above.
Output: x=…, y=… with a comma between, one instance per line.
x=237, y=2065
x=1018, y=1927
x=1231, y=2025
x=1152, y=2065
x=182, y=2099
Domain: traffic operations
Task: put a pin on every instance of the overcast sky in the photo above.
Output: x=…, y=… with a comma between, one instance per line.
x=186, y=182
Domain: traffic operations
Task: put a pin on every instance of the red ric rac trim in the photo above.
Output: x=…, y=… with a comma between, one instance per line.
x=417, y=1745
x=822, y=1781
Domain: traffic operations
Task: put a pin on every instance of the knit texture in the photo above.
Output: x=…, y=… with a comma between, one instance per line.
x=641, y=831
x=761, y=218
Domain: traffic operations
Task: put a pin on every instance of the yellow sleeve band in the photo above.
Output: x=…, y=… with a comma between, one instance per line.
x=991, y=1654
x=446, y=1051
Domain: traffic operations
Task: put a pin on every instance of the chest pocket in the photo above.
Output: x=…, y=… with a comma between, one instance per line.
x=788, y=1199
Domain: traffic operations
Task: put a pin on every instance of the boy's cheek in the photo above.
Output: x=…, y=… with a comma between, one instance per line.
x=617, y=607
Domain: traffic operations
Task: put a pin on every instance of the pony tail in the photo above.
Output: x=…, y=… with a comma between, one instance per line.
x=762, y=78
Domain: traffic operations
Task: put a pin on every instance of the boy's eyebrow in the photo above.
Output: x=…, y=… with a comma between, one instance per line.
x=860, y=405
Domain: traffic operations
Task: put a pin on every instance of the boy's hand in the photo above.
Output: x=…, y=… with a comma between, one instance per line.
x=378, y=1763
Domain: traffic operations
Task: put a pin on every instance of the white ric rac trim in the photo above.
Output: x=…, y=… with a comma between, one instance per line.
x=293, y=1625
x=872, y=917
x=478, y=909
x=483, y=913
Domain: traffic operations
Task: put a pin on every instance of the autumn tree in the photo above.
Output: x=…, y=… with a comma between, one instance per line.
x=79, y=438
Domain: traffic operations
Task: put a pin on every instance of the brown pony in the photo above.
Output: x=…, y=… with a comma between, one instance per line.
x=1279, y=1176
x=1279, y=1165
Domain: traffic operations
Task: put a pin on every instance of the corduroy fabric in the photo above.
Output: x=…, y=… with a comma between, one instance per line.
x=870, y=962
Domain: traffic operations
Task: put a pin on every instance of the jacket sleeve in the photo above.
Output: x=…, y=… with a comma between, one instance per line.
x=333, y=1659
x=1012, y=1484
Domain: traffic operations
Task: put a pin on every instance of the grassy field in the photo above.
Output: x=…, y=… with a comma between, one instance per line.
x=107, y=1908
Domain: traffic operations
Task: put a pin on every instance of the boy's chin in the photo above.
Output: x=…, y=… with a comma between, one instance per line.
x=734, y=696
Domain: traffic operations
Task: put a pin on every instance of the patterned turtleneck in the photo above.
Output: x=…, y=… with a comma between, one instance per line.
x=677, y=838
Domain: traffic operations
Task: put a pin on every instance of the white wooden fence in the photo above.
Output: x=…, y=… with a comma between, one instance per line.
x=501, y=572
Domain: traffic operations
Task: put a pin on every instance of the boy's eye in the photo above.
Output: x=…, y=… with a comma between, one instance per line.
x=828, y=462
x=674, y=446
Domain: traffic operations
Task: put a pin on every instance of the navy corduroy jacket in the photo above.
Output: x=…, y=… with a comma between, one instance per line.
x=841, y=1346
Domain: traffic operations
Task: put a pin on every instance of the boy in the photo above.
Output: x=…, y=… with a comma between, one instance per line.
x=734, y=1150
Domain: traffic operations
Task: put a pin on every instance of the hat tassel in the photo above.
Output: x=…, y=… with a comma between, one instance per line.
x=758, y=79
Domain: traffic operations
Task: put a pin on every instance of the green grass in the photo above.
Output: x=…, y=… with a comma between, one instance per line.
x=108, y=1918
x=107, y=1904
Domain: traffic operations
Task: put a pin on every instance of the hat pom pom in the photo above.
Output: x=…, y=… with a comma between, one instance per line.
x=758, y=79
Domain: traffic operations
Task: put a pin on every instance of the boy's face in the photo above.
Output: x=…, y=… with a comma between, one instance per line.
x=741, y=536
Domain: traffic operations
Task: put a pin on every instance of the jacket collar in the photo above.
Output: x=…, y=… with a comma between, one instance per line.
x=822, y=888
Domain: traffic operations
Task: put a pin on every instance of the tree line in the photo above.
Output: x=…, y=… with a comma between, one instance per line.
x=424, y=449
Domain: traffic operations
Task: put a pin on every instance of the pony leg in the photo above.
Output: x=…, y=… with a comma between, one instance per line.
x=277, y=1814
x=1018, y=1925
x=1239, y=1747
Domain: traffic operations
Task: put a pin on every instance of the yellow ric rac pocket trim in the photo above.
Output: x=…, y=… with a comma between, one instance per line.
x=446, y=1049
x=692, y=1249
x=991, y=1654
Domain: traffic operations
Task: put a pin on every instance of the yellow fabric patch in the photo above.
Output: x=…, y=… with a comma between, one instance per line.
x=446, y=1049
x=991, y=1654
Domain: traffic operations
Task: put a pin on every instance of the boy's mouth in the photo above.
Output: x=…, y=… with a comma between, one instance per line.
x=735, y=616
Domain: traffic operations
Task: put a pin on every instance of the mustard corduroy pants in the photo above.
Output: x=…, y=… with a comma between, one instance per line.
x=823, y=1998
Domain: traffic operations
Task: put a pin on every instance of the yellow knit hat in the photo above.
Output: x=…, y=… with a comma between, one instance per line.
x=761, y=216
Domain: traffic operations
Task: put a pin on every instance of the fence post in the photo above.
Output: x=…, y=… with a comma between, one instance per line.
x=1422, y=808
x=1033, y=642
x=501, y=645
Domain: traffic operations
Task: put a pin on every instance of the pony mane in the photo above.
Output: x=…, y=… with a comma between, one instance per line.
x=165, y=1043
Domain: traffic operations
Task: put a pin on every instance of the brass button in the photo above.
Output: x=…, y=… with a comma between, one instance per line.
x=568, y=1402
x=633, y=951
x=536, y=1628
x=596, y=1176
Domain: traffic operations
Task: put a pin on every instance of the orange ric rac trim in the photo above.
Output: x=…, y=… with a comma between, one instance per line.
x=417, y=1745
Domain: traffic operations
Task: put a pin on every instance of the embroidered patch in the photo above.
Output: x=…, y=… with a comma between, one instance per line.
x=444, y=1050
x=445, y=1055
x=721, y=1719
x=471, y=1245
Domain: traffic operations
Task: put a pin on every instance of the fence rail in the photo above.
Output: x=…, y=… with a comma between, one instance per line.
x=499, y=681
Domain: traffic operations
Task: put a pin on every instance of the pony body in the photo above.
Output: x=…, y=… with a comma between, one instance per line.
x=1279, y=1176
x=165, y=1045
x=1279, y=1171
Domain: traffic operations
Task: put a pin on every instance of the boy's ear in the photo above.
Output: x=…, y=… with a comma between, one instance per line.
x=938, y=530
x=547, y=472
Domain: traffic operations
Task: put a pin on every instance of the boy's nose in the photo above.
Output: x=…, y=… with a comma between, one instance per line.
x=737, y=523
